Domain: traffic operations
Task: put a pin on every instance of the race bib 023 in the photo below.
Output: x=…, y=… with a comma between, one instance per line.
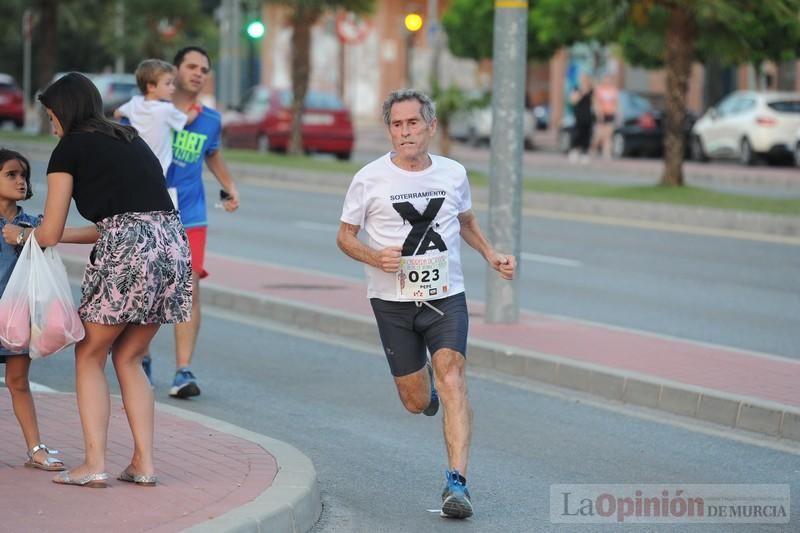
x=423, y=277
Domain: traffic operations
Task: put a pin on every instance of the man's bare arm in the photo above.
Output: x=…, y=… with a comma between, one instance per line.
x=216, y=164
x=472, y=235
x=387, y=259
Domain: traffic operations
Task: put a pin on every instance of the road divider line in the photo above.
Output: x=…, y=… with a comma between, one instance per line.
x=549, y=259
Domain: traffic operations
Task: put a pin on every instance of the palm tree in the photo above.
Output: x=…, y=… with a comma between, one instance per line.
x=304, y=14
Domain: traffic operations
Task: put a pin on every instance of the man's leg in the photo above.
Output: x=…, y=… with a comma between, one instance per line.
x=185, y=384
x=186, y=332
x=414, y=390
x=449, y=369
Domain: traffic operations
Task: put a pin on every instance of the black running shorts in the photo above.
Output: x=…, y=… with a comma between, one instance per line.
x=407, y=329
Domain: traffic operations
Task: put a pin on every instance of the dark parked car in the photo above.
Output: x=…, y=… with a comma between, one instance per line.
x=264, y=122
x=639, y=127
x=12, y=107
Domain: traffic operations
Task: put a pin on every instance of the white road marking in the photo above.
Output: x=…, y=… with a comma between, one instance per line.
x=551, y=260
x=317, y=226
x=35, y=387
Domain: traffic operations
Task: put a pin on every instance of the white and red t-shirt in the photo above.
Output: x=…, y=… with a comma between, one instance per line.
x=417, y=211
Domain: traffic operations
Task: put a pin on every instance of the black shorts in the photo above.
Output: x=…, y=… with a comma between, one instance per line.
x=406, y=330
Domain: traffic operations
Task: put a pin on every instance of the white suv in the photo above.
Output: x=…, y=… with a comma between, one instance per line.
x=748, y=125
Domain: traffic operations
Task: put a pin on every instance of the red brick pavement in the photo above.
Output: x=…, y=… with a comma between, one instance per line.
x=202, y=474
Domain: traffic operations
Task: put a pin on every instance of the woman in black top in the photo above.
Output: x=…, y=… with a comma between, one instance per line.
x=139, y=272
x=581, y=99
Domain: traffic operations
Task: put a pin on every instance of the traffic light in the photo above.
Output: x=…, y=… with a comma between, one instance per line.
x=255, y=29
x=413, y=22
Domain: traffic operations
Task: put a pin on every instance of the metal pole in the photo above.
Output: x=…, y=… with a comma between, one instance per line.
x=27, y=34
x=505, y=190
x=435, y=42
x=119, y=32
x=235, y=35
x=223, y=94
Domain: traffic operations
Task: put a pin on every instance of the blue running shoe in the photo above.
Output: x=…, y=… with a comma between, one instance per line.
x=433, y=407
x=146, y=365
x=455, y=498
x=184, y=385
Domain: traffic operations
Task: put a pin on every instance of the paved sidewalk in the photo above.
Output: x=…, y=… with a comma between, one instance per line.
x=734, y=388
x=213, y=477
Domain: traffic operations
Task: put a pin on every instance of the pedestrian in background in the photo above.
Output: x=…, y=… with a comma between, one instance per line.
x=139, y=272
x=581, y=100
x=415, y=208
x=199, y=141
x=606, y=96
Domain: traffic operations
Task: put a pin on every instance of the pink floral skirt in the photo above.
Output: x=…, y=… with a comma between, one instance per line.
x=139, y=271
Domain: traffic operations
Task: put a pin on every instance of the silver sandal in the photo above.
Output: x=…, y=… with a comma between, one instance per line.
x=139, y=479
x=50, y=464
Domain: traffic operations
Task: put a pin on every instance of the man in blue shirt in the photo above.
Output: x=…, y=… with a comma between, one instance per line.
x=196, y=143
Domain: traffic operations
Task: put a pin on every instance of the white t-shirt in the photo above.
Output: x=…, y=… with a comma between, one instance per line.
x=155, y=120
x=395, y=206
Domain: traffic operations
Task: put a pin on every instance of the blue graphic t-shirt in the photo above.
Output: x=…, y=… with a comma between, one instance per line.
x=190, y=146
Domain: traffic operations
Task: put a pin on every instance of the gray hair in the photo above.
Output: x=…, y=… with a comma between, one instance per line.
x=428, y=109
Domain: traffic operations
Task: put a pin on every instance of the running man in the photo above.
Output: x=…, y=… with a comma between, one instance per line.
x=415, y=208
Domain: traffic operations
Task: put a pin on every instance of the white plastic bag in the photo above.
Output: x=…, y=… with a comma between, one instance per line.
x=54, y=321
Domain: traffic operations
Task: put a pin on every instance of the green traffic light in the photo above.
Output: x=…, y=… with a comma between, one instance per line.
x=255, y=29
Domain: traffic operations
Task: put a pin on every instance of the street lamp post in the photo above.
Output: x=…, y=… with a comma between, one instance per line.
x=413, y=23
x=505, y=188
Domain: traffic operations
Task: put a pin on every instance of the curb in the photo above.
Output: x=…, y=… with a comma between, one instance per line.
x=734, y=411
x=707, y=405
x=291, y=504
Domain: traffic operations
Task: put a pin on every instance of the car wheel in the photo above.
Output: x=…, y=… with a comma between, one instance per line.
x=262, y=143
x=344, y=156
x=19, y=124
x=746, y=155
x=696, y=150
x=528, y=144
x=797, y=154
x=618, y=148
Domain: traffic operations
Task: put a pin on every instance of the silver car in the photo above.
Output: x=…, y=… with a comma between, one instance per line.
x=474, y=126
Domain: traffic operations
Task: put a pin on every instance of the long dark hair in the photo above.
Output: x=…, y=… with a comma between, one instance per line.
x=76, y=102
x=7, y=155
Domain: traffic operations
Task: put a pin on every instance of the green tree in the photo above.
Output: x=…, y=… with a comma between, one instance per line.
x=673, y=34
x=469, y=25
x=304, y=14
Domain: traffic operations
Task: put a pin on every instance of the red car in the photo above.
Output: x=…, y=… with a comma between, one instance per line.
x=12, y=107
x=264, y=122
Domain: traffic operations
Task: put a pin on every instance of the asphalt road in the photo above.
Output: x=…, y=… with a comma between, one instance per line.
x=381, y=469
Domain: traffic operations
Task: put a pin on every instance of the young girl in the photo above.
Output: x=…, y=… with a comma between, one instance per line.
x=15, y=185
x=139, y=271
